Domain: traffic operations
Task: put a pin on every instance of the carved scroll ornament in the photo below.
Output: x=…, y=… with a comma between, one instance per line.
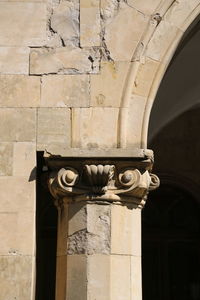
x=102, y=182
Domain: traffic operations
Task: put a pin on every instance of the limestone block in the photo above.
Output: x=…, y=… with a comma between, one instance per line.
x=17, y=124
x=17, y=233
x=120, y=277
x=64, y=61
x=14, y=60
x=63, y=221
x=98, y=275
x=61, y=275
x=134, y=119
x=6, y=159
x=107, y=87
x=145, y=77
x=76, y=277
x=17, y=194
x=24, y=159
x=163, y=37
x=125, y=230
x=146, y=7
x=15, y=277
x=22, y=23
x=65, y=22
x=19, y=91
x=77, y=217
x=65, y=91
x=53, y=126
x=124, y=32
x=94, y=127
x=90, y=28
x=136, y=278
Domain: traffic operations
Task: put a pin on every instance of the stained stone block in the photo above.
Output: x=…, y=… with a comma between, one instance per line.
x=17, y=193
x=14, y=60
x=17, y=124
x=65, y=91
x=6, y=159
x=19, y=91
x=53, y=126
x=16, y=277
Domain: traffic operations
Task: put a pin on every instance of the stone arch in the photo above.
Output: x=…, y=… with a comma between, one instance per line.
x=148, y=66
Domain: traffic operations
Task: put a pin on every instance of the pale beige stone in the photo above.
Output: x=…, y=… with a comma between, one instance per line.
x=53, y=126
x=90, y=28
x=98, y=275
x=23, y=23
x=147, y=7
x=24, y=159
x=164, y=35
x=64, y=61
x=14, y=60
x=94, y=127
x=77, y=217
x=107, y=87
x=134, y=119
x=17, y=231
x=125, y=230
x=124, y=32
x=145, y=77
x=120, y=277
x=17, y=194
x=65, y=22
x=65, y=91
x=6, y=159
x=19, y=91
x=76, y=277
x=17, y=124
x=136, y=278
x=15, y=277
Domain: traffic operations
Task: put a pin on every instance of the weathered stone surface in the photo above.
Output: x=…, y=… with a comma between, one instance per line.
x=120, y=277
x=24, y=159
x=76, y=277
x=6, y=159
x=23, y=24
x=19, y=91
x=17, y=124
x=125, y=230
x=90, y=28
x=17, y=194
x=145, y=76
x=53, y=126
x=65, y=91
x=65, y=22
x=107, y=87
x=64, y=61
x=17, y=231
x=94, y=127
x=146, y=7
x=15, y=277
x=124, y=32
x=98, y=275
x=14, y=60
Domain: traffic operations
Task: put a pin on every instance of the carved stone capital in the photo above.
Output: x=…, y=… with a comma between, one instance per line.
x=112, y=180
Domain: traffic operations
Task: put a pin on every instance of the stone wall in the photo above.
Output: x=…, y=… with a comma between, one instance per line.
x=72, y=75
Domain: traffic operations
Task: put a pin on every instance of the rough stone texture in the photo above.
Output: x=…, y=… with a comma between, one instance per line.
x=14, y=60
x=6, y=159
x=19, y=91
x=15, y=277
x=17, y=124
x=53, y=126
x=122, y=40
x=23, y=24
x=90, y=123
x=65, y=91
x=64, y=61
x=103, y=93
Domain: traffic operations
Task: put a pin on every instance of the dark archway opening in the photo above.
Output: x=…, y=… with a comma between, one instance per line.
x=171, y=217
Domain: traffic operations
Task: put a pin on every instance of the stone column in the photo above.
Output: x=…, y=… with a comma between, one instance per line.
x=99, y=205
